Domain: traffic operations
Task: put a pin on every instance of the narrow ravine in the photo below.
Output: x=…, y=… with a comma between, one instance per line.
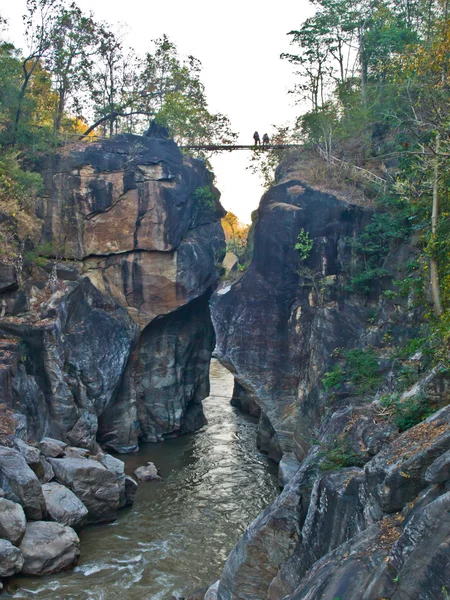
x=178, y=533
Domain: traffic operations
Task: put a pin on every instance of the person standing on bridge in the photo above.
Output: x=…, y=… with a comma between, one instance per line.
x=257, y=138
x=266, y=140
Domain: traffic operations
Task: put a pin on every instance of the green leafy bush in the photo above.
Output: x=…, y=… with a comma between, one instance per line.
x=359, y=367
x=385, y=231
x=409, y=412
x=333, y=377
x=204, y=202
x=304, y=245
x=339, y=456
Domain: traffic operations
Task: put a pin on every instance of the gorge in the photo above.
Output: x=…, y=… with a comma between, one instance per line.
x=107, y=345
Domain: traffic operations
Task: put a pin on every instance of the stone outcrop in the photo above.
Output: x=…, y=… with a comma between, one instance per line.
x=362, y=501
x=273, y=332
x=112, y=340
x=20, y=484
x=11, y=559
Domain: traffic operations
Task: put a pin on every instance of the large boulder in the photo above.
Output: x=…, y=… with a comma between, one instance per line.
x=11, y=559
x=92, y=483
x=20, y=484
x=51, y=448
x=12, y=521
x=116, y=466
x=63, y=506
x=30, y=453
x=275, y=331
x=165, y=381
x=48, y=548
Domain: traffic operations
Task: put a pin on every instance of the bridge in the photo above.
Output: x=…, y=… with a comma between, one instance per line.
x=232, y=147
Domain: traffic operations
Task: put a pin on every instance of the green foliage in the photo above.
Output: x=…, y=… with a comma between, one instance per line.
x=409, y=412
x=204, y=203
x=17, y=184
x=362, y=368
x=357, y=366
x=304, y=244
x=385, y=231
x=334, y=377
x=39, y=255
x=338, y=455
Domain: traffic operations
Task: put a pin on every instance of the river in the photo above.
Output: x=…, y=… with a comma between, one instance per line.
x=179, y=532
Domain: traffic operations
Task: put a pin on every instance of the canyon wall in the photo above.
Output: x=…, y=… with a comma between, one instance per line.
x=109, y=336
x=364, y=509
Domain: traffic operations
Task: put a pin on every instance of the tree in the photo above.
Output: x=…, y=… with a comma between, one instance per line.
x=41, y=22
x=73, y=43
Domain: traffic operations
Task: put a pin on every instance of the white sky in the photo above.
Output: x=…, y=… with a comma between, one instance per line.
x=239, y=43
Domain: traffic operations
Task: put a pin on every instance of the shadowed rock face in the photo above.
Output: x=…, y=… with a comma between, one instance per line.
x=270, y=332
x=166, y=378
x=139, y=250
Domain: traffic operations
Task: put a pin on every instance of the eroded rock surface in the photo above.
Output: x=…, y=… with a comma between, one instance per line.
x=20, y=484
x=115, y=339
x=364, y=498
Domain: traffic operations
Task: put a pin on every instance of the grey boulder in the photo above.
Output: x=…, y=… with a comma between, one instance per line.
x=63, y=506
x=30, y=453
x=48, y=548
x=147, y=473
x=92, y=483
x=20, y=484
x=116, y=466
x=11, y=559
x=12, y=521
x=43, y=470
x=52, y=448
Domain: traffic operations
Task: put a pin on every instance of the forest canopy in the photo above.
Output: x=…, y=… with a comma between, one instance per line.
x=78, y=75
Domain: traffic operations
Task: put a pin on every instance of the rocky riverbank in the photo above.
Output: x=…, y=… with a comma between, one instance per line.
x=48, y=492
x=356, y=415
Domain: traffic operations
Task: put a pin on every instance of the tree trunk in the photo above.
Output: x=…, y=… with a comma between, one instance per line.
x=363, y=65
x=435, y=291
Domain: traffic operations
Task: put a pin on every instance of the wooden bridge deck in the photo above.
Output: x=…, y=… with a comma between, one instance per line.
x=232, y=147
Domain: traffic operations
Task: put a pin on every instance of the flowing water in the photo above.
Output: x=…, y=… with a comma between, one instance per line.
x=179, y=532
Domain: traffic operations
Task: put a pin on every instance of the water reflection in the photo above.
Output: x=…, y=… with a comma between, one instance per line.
x=179, y=532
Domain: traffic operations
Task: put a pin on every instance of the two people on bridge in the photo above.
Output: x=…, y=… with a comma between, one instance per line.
x=265, y=140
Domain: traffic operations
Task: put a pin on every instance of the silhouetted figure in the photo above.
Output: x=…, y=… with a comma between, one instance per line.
x=266, y=140
x=256, y=138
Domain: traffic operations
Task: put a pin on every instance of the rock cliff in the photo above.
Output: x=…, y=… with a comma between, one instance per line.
x=344, y=395
x=109, y=336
